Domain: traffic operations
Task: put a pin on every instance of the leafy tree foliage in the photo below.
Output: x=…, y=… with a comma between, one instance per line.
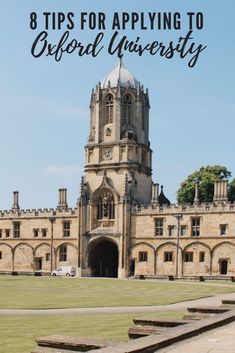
x=231, y=191
x=206, y=177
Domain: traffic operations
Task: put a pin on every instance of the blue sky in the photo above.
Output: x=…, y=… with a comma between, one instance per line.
x=44, y=105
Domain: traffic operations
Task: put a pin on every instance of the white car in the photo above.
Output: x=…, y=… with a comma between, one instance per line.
x=64, y=271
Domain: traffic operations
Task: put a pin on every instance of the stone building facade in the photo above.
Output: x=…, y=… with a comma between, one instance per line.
x=122, y=225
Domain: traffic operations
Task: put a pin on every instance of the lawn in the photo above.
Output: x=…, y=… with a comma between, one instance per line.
x=49, y=292
x=18, y=334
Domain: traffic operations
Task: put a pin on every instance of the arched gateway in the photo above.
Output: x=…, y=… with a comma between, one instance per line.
x=104, y=259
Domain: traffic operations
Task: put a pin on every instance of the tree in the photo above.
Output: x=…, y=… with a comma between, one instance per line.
x=231, y=190
x=206, y=177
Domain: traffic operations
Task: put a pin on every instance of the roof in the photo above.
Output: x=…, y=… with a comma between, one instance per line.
x=162, y=199
x=119, y=75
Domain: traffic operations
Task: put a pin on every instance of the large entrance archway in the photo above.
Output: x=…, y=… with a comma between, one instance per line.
x=104, y=259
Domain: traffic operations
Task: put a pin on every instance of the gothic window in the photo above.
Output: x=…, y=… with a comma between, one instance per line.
x=143, y=256
x=195, y=226
x=171, y=230
x=66, y=228
x=44, y=232
x=183, y=230
x=188, y=256
x=16, y=229
x=63, y=253
x=202, y=256
x=109, y=109
x=168, y=256
x=127, y=109
x=35, y=232
x=223, y=229
x=106, y=206
x=159, y=226
x=48, y=256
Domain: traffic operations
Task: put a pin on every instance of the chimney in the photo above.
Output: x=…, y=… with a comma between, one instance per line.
x=155, y=192
x=221, y=190
x=15, y=206
x=62, y=204
x=196, y=200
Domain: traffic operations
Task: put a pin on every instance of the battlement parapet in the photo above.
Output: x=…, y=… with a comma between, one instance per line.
x=45, y=212
x=214, y=207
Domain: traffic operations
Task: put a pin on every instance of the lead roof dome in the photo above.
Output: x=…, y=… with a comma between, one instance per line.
x=119, y=74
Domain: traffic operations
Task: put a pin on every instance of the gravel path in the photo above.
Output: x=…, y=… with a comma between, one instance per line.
x=214, y=300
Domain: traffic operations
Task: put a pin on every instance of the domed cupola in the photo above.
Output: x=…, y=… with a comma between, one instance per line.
x=119, y=75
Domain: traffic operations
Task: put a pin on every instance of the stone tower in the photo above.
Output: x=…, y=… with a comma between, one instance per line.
x=117, y=171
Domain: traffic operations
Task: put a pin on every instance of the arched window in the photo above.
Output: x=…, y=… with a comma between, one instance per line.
x=106, y=206
x=109, y=109
x=127, y=109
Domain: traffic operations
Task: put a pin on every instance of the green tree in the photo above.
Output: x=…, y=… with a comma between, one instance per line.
x=206, y=177
x=231, y=190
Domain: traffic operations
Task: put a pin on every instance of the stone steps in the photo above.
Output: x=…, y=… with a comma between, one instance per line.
x=67, y=344
x=202, y=312
x=145, y=327
x=54, y=350
x=161, y=333
x=138, y=331
x=208, y=309
x=160, y=322
x=228, y=302
x=197, y=316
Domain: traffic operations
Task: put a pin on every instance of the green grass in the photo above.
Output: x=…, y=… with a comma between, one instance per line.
x=18, y=334
x=48, y=292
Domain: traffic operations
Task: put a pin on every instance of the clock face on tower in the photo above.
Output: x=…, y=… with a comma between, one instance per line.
x=107, y=154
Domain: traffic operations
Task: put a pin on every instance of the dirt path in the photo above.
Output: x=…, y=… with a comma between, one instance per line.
x=214, y=300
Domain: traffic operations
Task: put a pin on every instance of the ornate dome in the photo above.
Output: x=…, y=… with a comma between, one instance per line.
x=121, y=74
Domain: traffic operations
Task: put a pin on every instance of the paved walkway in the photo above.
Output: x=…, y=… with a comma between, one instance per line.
x=219, y=340
x=214, y=300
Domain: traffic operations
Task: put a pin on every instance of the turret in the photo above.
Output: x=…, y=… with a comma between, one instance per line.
x=119, y=129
